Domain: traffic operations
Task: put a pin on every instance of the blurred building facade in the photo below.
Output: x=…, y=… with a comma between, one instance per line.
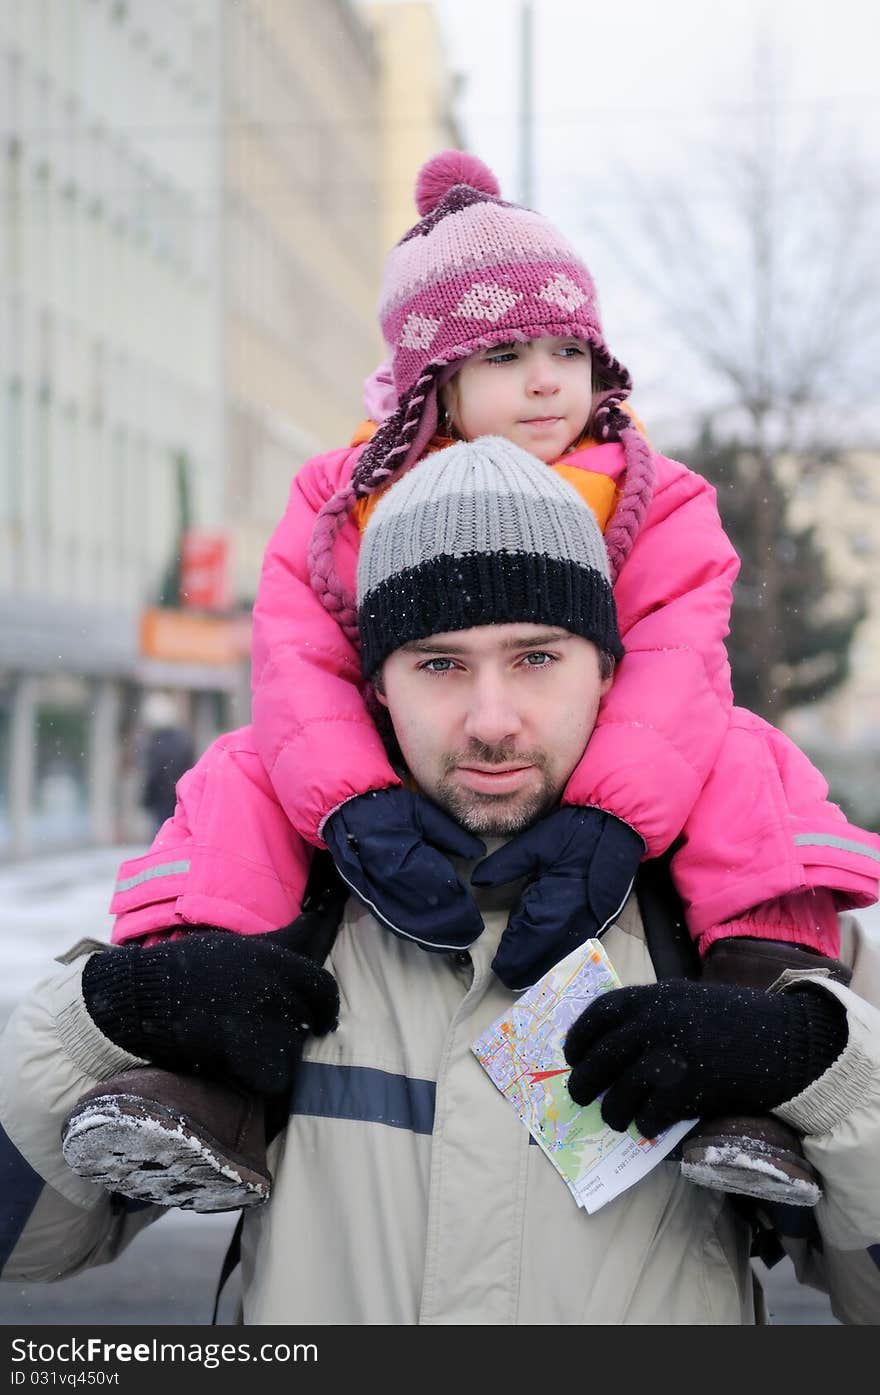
x=417, y=92
x=302, y=247
x=111, y=374
x=195, y=203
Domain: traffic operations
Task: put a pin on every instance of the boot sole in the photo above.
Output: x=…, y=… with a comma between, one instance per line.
x=143, y=1151
x=731, y=1164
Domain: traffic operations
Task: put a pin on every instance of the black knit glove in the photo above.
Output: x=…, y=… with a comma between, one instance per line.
x=235, y=1008
x=393, y=849
x=684, y=1050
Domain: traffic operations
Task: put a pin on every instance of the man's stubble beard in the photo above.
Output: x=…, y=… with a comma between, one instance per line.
x=496, y=815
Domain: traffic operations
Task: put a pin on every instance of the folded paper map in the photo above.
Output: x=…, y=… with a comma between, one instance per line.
x=522, y=1053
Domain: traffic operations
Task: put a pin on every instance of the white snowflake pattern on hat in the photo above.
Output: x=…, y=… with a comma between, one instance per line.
x=486, y=300
x=562, y=291
x=418, y=331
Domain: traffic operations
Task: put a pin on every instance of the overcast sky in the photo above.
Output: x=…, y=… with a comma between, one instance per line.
x=629, y=96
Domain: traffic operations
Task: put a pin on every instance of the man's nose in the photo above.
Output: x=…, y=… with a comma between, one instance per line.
x=491, y=717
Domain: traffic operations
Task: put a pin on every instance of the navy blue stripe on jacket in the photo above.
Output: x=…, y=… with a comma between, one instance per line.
x=20, y=1188
x=327, y=1091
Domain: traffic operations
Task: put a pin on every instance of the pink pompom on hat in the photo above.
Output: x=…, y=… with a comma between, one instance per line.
x=476, y=271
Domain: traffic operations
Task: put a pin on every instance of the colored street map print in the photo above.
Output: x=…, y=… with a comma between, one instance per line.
x=522, y=1053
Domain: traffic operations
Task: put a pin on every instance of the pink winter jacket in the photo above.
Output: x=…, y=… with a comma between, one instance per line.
x=669, y=755
x=673, y=600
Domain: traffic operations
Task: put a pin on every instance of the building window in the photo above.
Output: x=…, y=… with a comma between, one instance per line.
x=61, y=800
x=12, y=217
x=11, y=477
x=43, y=462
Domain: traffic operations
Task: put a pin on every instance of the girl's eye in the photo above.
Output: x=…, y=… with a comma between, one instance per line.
x=572, y=351
x=506, y=357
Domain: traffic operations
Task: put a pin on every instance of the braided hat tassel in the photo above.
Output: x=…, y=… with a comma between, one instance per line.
x=398, y=443
x=324, y=579
x=635, y=500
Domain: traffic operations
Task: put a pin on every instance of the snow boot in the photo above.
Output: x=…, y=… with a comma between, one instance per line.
x=174, y=1140
x=755, y=1156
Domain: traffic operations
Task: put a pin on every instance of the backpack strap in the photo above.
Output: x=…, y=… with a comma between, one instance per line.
x=230, y=1263
x=673, y=952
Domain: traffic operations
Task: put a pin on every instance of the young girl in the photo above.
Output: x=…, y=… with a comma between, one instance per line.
x=493, y=327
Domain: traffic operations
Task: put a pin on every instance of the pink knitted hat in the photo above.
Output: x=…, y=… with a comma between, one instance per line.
x=473, y=272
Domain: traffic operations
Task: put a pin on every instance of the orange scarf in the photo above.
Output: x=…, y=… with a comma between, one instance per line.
x=597, y=490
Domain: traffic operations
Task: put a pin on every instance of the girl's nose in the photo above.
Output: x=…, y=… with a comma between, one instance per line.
x=542, y=378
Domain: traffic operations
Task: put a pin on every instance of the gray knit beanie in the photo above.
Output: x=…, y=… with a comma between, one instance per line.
x=481, y=533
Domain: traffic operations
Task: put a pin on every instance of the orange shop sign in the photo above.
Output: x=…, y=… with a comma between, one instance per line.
x=179, y=636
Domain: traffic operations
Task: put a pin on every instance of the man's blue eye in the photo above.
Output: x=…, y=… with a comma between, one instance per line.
x=538, y=654
x=431, y=662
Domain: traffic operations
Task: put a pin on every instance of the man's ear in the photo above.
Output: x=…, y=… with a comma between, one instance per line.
x=379, y=689
x=605, y=685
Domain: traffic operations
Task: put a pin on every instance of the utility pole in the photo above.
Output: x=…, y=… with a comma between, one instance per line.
x=526, y=114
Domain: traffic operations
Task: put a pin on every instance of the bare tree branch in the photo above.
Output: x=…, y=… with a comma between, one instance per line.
x=767, y=274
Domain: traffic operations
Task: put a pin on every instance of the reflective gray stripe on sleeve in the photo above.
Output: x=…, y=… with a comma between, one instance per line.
x=362, y=1093
x=162, y=869
x=20, y=1187
x=830, y=840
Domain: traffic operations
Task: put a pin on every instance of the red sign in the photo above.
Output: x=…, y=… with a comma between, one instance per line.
x=204, y=583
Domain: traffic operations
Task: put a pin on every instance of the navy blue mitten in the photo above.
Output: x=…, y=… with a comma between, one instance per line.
x=580, y=864
x=392, y=848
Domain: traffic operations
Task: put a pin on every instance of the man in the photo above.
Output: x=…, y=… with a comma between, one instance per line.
x=405, y=1189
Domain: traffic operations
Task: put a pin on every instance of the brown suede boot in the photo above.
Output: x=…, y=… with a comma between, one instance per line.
x=175, y=1140
x=755, y=1156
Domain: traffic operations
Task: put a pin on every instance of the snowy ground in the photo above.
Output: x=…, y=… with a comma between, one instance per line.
x=169, y=1274
x=46, y=905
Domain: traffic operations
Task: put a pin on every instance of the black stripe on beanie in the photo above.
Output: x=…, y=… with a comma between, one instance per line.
x=450, y=593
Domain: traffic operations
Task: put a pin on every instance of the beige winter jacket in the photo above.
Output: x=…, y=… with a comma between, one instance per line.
x=407, y=1187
